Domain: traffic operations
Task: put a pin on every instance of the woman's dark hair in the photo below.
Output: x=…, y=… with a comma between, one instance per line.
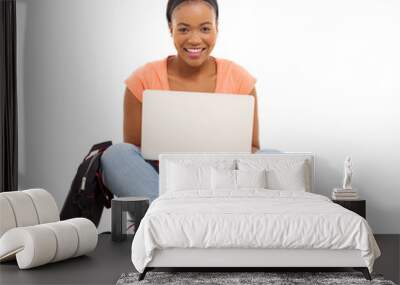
x=172, y=4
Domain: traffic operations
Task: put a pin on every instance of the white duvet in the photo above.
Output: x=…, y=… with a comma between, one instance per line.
x=251, y=218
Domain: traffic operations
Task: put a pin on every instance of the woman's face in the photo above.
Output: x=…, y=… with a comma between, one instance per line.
x=194, y=30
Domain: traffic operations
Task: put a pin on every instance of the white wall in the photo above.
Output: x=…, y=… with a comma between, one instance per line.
x=328, y=82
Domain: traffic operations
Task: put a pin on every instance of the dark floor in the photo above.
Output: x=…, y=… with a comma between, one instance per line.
x=102, y=266
x=110, y=260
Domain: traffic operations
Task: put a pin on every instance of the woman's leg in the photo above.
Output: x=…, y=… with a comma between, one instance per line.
x=126, y=173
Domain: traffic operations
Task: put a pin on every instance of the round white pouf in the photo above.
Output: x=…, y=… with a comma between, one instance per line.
x=87, y=233
x=23, y=209
x=40, y=244
x=7, y=218
x=26, y=208
x=45, y=205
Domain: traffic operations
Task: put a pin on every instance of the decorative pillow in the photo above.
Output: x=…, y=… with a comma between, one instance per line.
x=193, y=174
x=282, y=174
x=287, y=179
x=236, y=179
x=251, y=178
x=223, y=179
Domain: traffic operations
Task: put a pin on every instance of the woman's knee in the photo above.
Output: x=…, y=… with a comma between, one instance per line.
x=126, y=173
x=119, y=150
x=116, y=158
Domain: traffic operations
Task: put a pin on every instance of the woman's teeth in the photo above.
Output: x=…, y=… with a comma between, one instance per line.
x=194, y=50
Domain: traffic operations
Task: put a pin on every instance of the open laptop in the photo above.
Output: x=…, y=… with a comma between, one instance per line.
x=175, y=121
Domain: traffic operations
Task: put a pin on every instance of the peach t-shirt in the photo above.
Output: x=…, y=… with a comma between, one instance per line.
x=231, y=78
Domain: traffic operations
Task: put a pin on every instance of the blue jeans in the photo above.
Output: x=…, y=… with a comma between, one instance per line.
x=127, y=173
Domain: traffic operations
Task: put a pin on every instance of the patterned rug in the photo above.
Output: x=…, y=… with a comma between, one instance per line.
x=244, y=278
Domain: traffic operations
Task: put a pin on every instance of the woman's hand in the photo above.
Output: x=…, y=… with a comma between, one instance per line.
x=132, y=119
x=256, y=138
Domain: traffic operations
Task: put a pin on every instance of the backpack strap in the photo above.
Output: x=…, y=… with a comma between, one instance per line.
x=100, y=147
x=107, y=194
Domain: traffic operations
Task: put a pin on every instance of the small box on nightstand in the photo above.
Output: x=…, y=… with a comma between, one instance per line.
x=357, y=206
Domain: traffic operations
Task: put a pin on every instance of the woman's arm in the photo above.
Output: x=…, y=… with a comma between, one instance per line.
x=255, y=145
x=132, y=119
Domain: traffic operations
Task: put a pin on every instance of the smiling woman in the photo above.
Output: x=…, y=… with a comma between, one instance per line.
x=194, y=28
x=193, y=25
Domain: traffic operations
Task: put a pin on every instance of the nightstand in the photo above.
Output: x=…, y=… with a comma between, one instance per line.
x=137, y=206
x=357, y=206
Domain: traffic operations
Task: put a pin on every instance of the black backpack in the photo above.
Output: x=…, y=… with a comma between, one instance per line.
x=88, y=194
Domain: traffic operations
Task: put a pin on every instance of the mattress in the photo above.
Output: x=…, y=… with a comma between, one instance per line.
x=250, y=219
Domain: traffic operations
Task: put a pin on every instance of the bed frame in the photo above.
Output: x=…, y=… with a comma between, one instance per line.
x=245, y=259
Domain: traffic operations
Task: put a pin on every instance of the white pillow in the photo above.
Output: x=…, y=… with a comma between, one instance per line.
x=282, y=174
x=223, y=179
x=193, y=174
x=237, y=179
x=251, y=178
x=287, y=179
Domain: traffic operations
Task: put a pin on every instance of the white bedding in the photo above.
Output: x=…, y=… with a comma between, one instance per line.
x=250, y=218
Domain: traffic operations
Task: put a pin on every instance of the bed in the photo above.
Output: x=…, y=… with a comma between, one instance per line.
x=245, y=211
